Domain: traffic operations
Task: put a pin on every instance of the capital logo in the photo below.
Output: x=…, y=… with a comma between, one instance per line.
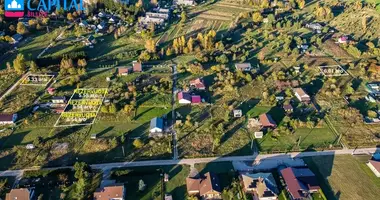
x=14, y=8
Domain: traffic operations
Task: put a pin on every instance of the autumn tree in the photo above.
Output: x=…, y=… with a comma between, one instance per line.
x=301, y=4
x=257, y=17
x=70, y=17
x=33, y=66
x=137, y=143
x=21, y=29
x=19, y=64
x=82, y=62
x=264, y=4
x=150, y=46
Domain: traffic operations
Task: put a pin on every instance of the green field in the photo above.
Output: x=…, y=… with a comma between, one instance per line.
x=309, y=139
x=345, y=177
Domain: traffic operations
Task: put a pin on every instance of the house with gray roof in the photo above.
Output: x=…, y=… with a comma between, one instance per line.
x=156, y=127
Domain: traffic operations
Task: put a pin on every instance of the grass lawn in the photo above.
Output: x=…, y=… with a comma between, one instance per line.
x=25, y=136
x=345, y=177
x=309, y=138
x=32, y=45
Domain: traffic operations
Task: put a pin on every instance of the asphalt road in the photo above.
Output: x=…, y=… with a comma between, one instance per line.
x=254, y=158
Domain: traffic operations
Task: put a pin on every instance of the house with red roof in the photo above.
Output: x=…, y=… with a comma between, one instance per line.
x=123, y=71
x=51, y=90
x=343, y=39
x=137, y=66
x=184, y=98
x=114, y=192
x=197, y=84
x=196, y=99
x=267, y=121
x=300, y=183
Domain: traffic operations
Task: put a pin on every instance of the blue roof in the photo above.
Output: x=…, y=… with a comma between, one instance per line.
x=376, y=156
x=157, y=122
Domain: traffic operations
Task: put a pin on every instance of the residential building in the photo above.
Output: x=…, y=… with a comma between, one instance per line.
x=196, y=99
x=7, y=118
x=300, y=182
x=281, y=85
x=243, y=66
x=51, y=90
x=197, y=84
x=207, y=187
x=83, y=23
x=259, y=134
x=184, y=98
x=58, y=100
x=164, y=16
x=90, y=40
x=262, y=186
x=137, y=66
x=156, y=126
x=184, y=2
x=102, y=25
x=113, y=19
x=374, y=165
x=20, y=194
x=114, y=192
x=315, y=27
x=288, y=108
x=343, y=39
x=301, y=95
x=16, y=38
x=267, y=121
x=123, y=71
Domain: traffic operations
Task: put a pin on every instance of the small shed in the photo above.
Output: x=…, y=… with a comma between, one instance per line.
x=93, y=136
x=259, y=134
x=30, y=146
x=238, y=113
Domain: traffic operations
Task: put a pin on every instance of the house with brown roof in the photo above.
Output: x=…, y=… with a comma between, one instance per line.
x=115, y=192
x=20, y=194
x=123, y=71
x=301, y=95
x=207, y=187
x=374, y=165
x=137, y=66
x=7, y=118
x=300, y=182
x=288, y=108
x=267, y=121
x=281, y=85
x=243, y=67
x=262, y=186
x=197, y=84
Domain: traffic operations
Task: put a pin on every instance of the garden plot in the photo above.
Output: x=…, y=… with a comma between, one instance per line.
x=21, y=98
x=82, y=108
